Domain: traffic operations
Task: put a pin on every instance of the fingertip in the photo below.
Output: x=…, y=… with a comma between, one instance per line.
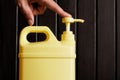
x=65, y=14
x=30, y=22
x=26, y=9
x=56, y=8
x=30, y=18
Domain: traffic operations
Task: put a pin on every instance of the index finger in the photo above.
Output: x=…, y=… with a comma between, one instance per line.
x=52, y=5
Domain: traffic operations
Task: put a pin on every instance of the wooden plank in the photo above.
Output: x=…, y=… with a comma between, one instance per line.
x=1, y=47
x=8, y=39
x=118, y=39
x=106, y=40
x=21, y=21
x=17, y=44
x=86, y=40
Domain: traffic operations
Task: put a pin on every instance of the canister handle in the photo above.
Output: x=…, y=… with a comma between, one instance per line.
x=36, y=29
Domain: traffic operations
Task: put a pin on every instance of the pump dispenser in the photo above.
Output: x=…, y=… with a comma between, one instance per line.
x=68, y=35
x=49, y=59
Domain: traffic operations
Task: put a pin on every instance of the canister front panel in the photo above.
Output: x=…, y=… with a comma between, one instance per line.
x=47, y=69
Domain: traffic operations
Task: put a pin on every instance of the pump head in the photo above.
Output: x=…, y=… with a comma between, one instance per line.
x=68, y=35
x=69, y=20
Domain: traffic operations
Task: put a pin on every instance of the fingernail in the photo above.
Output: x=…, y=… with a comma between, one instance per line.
x=68, y=15
x=30, y=22
x=65, y=14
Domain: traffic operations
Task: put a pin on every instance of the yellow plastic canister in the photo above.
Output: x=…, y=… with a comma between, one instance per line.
x=49, y=59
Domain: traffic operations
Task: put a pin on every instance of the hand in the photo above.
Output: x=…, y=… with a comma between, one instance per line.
x=34, y=7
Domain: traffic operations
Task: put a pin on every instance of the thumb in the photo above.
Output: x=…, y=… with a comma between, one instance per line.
x=26, y=10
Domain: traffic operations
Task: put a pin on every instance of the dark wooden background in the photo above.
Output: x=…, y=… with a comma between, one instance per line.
x=98, y=39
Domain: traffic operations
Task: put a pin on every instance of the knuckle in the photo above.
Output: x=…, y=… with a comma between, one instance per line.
x=43, y=1
x=43, y=10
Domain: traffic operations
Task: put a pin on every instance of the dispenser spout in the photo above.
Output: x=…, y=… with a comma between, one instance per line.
x=69, y=20
x=79, y=20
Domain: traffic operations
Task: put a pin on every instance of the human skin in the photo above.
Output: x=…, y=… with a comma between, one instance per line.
x=30, y=8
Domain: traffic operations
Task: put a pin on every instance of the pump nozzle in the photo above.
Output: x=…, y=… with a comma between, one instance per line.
x=69, y=20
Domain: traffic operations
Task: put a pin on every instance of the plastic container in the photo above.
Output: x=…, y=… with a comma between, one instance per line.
x=49, y=59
